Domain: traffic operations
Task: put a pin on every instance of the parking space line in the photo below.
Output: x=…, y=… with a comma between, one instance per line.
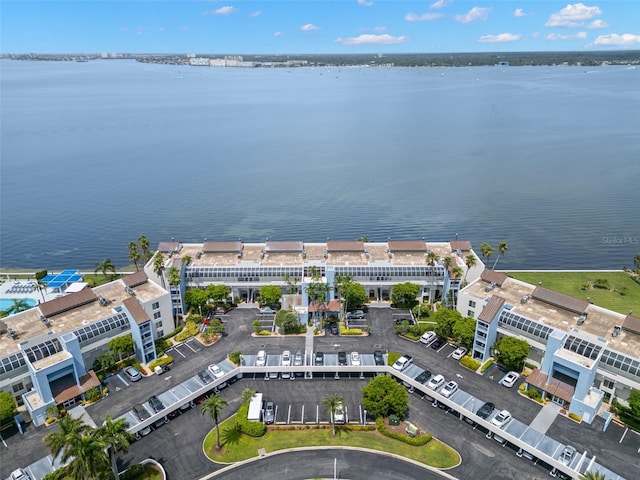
x=190, y=347
x=122, y=379
x=623, y=434
x=175, y=349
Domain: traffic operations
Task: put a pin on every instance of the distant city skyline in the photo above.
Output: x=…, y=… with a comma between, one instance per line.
x=317, y=26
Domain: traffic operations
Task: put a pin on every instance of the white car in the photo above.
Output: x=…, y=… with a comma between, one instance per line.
x=338, y=414
x=267, y=311
x=501, y=419
x=402, y=363
x=458, y=353
x=20, y=474
x=435, y=382
x=355, y=359
x=510, y=379
x=449, y=389
x=216, y=371
x=261, y=358
x=286, y=358
x=427, y=337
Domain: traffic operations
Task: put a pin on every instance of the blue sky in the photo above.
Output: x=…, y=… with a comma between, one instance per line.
x=317, y=26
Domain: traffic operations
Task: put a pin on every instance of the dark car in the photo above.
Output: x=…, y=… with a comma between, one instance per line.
x=342, y=358
x=424, y=377
x=333, y=328
x=141, y=412
x=156, y=404
x=319, y=359
x=378, y=357
x=438, y=342
x=205, y=377
x=486, y=410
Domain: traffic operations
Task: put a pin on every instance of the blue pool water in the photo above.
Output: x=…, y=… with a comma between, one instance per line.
x=6, y=303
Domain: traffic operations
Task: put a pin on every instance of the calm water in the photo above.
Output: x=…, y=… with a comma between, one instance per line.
x=96, y=154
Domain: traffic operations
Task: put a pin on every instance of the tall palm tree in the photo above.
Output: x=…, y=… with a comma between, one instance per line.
x=432, y=258
x=114, y=433
x=18, y=305
x=158, y=267
x=87, y=457
x=174, y=276
x=446, y=262
x=502, y=248
x=144, y=246
x=186, y=260
x=470, y=261
x=590, y=475
x=214, y=406
x=69, y=428
x=105, y=266
x=331, y=402
x=134, y=254
x=456, y=272
x=246, y=395
x=486, y=250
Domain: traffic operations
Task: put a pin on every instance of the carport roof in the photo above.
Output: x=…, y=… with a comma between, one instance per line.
x=551, y=386
x=68, y=389
x=331, y=306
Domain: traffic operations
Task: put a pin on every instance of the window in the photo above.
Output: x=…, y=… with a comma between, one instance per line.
x=18, y=387
x=608, y=384
x=155, y=305
x=156, y=315
x=470, y=313
x=472, y=304
x=160, y=333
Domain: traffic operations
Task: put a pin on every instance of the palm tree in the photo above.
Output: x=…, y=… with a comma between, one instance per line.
x=232, y=435
x=446, y=262
x=114, y=433
x=158, y=267
x=186, y=260
x=69, y=428
x=487, y=250
x=246, y=395
x=502, y=248
x=590, y=475
x=87, y=457
x=134, y=254
x=456, y=272
x=144, y=246
x=363, y=239
x=432, y=258
x=104, y=266
x=174, y=276
x=213, y=406
x=18, y=305
x=331, y=402
x=470, y=261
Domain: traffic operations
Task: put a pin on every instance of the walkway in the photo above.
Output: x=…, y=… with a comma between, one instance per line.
x=545, y=418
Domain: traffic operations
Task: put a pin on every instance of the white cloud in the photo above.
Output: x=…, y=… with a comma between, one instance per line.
x=573, y=16
x=519, y=12
x=226, y=10
x=424, y=17
x=616, y=40
x=440, y=3
x=365, y=3
x=598, y=24
x=277, y=34
x=257, y=13
x=500, y=38
x=558, y=36
x=309, y=27
x=476, y=13
x=368, y=39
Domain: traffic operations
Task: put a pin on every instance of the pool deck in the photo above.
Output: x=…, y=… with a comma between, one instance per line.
x=11, y=290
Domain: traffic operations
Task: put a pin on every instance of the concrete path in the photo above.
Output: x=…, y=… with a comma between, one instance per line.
x=545, y=417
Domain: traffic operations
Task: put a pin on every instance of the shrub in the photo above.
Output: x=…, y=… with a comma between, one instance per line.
x=174, y=333
x=486, y=365
x=189, y=331
x=392, y=357
x=160, y=362
x=264, y=333
x=530, y=365
x=249, y=427
x=93, y=395
x=350, y=331
x=415, y=441
x=533, y=394
x=470, y=363
x=235, y=357
x=576, y=417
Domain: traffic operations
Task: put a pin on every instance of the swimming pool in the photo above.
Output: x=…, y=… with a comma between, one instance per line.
x=6, y=303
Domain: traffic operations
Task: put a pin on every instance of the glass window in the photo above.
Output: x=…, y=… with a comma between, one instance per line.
x=155, y=305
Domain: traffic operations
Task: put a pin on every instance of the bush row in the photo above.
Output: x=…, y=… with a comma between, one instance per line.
x=350, y=331
x=470, y=363
x=249, y=427
x=576, y=417
x=167, y=360
x=414, y=441
x=486, y=365
x=189, y=331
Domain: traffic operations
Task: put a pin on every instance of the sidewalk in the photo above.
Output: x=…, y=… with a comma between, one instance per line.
x=545, y=417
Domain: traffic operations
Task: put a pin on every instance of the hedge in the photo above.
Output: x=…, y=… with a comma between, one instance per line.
x=486, y=365
x=350, y=331
x=414, y=441
x=190, y=330
x=470, y=363
x=160, y=362
x=249, y=427
x=576, y=417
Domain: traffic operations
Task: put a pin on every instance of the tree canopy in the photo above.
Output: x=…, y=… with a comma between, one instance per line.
x=634, y=402
x=354, y=294
x=446, y=319
x=121, y=346
x=196, y=298
x=8, y=407
x=270, y=294
x=512, y=352
x=218, y=293
x=287, y=321
x=404, y=294
x=383, y=396
x=464, y=330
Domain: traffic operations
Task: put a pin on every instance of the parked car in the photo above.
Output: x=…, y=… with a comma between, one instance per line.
x=216, y=371
x=486, y=410
x=267, y=311
x=269, y=413
x=510, y=379
x=355, y=359
x=156, y=404
x=342, y=358
x=436, y=382
x=459, y=353
x=449, y=389
x=437, y=343
x=402, y=363
x=141, y=412
x=319, y=359
x=428, y=336
x=378, y=357
x=20, y=474
x=424, y=377
x=261, y=358
x=338, y=415
x=205, y=377
x=356, y=314
x=298, y=359
x=132, y=373
x=286, y=358
x=567, y=454
x=501, y=419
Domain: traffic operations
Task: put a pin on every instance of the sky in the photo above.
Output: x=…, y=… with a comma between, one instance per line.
x=316, y=26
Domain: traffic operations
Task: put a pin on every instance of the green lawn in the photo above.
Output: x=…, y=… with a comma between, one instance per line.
x=625, y=295
x=434, y=453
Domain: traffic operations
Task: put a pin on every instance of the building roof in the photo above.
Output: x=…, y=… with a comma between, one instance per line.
x=68, y=302
x=167, y=247
x=345, y=246
x=407, y=245
x=222, y=247
x=462, y=245
x=491, y=276
x=552, y=386
x=631, y=324
x=136, y=310
x=561, y=300
x=67, y=388
x=491, y=309
x=292, y=246
x=135, y=279
x=331, y=306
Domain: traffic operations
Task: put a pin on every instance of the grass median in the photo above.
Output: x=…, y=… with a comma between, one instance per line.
x=435, y=453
